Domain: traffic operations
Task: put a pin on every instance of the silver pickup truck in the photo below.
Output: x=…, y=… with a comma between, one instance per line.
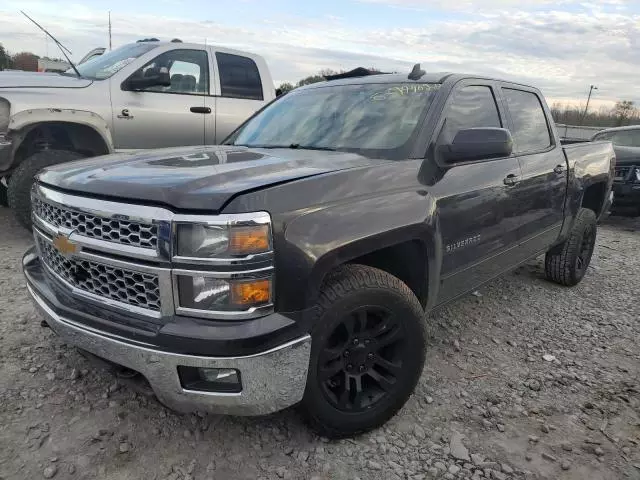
x=143, y=95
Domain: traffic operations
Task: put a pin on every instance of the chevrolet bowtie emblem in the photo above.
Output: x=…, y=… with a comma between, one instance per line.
x=65, y=246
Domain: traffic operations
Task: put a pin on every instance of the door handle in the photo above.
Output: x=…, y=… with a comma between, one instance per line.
x=511, y=179
x=200, y=110
x=559, y=169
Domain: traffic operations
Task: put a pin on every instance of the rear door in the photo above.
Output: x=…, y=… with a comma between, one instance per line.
x=543, y=185
x=164, y=116
x=476, y=199
x=239, y=92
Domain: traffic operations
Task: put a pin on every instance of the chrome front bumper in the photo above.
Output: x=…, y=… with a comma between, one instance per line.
x=271, y=381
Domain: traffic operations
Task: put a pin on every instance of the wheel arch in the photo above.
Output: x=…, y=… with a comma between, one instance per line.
x=84, y=131
x=408, y=254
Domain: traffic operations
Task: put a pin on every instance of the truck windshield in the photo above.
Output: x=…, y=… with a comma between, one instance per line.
x=107, y=64
x=374, y=120
x=623, y=138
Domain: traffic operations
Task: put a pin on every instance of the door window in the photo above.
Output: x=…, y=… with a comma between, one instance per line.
x=188, y=70
x=531, y=131
x=472, y=106
x=239, y=77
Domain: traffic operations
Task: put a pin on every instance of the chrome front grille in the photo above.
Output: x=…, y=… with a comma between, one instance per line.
x=123, y=285
x=143, y=235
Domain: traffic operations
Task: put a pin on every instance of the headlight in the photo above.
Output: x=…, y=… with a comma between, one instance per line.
x=225, y=266
x=207, y=241
x=637, y=179
x=203, y=292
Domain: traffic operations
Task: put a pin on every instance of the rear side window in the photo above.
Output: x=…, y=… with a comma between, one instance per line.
x=239, y=77
x=472, y=106
x=531, y=131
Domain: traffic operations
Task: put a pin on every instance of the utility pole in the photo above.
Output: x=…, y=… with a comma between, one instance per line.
x=591, y=89
x=109, y=30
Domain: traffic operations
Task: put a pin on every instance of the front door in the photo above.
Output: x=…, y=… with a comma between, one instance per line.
x=164, y=116
x=475, y=200
x=542, y=189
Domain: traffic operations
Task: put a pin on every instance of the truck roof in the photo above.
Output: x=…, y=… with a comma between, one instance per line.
x=217, y=48
x=432, y=77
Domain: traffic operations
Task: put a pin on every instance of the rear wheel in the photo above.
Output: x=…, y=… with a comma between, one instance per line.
x=567, y=263
x=19, y=190
x=368, y=351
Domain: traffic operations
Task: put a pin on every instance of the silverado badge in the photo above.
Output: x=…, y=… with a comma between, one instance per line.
x=65, y=246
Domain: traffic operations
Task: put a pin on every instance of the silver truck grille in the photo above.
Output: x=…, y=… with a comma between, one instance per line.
x=126, y=286
x=144, y=235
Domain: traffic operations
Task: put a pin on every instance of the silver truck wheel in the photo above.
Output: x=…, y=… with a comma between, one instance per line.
x=19, y=189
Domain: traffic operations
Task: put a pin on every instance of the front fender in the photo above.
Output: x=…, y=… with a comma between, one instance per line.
x=316, y=242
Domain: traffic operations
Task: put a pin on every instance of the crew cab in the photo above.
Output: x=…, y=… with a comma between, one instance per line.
x=294, y=263
x=626, y=182
x=147, y=94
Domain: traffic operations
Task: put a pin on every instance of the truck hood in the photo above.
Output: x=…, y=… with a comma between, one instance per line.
x=41, y=80
x=627, y=155
x=194, y=178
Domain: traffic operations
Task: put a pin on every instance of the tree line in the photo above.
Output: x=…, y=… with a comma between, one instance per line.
x=26, y=61
x=623, y=113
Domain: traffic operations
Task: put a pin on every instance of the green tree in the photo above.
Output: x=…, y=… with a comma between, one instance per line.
x=5, y=58
x=284, y=88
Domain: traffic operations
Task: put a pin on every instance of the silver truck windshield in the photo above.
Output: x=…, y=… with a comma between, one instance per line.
x=107, y=64
x=375, y=120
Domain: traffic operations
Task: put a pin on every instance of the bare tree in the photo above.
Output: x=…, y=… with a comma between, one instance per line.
x=25, y=61
x=623, y=112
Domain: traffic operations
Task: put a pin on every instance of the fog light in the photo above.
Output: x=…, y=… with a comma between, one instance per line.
x=222, y=375
x=221, y=380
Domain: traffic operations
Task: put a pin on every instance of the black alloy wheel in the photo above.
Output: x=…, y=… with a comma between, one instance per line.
x=361, y=359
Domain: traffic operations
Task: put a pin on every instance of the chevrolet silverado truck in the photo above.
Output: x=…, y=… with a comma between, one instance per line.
x=626, y=182
x=147, y=94
x=294, y=264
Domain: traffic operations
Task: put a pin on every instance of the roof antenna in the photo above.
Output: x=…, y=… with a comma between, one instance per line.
x=62, y=47
x=416, y=73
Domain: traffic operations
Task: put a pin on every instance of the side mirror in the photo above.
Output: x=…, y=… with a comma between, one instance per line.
x=471, y=144
x=157, y=78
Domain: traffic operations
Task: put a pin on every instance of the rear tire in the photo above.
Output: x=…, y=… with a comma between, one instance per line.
x=568, y=262
x=19, y=190
x=368, y=351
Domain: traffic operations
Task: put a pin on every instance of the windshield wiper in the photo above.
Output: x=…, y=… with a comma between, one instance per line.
x=297, y=146
x=293, y=146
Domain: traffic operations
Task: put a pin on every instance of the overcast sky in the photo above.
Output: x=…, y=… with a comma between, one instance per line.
x=561, y=46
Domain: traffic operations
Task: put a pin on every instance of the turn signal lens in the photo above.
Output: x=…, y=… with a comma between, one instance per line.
x=251, y=293
x=246, y=240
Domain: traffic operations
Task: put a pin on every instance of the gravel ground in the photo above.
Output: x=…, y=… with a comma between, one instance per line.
x=524, y=379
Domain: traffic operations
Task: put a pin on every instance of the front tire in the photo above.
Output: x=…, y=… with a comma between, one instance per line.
x=19, y=189
x=368, y=351
x=4, y=201
x=567, y=263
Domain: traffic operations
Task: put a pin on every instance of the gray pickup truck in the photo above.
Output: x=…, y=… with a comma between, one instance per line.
x=142, y=95
x=295, y=263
